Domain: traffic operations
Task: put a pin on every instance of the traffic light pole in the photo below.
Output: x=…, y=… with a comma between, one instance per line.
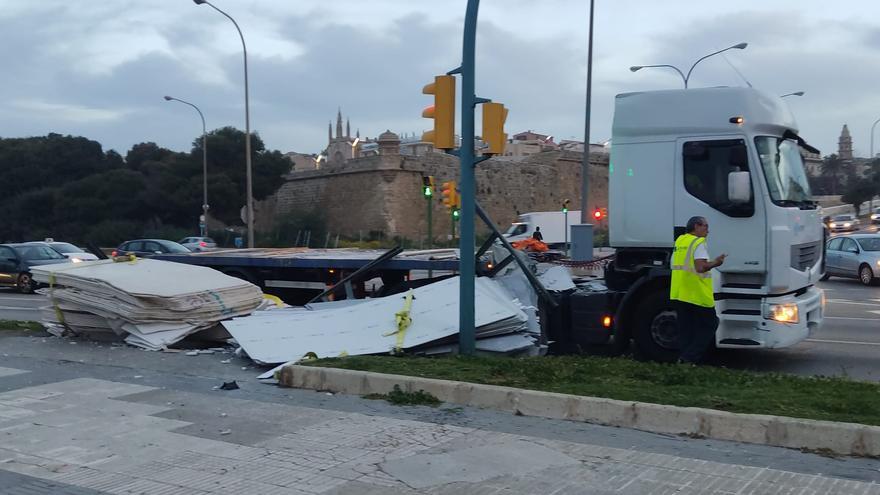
x=467, y=264
x=430, y=221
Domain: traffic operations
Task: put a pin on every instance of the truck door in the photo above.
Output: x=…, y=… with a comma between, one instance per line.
x=737, y=229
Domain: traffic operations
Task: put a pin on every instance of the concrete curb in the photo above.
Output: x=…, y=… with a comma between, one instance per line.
x=779, y=431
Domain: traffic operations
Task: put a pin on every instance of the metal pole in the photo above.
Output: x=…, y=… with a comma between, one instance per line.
x=430, y=222
x=202, y=230
x=566, y=232
x=247, y=130
x=585, y=165
x=466, y=330
x=872, y=137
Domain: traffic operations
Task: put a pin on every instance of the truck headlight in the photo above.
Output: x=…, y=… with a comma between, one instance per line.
x=833, y=224
x=875, y=216
x=847, y=224
x=785, y=313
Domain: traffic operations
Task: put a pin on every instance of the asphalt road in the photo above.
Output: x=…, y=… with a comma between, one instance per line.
x=848, y=344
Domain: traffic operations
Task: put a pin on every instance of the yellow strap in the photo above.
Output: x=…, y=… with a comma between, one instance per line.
x=275, y=299
x=58, y=314
x=403, y=322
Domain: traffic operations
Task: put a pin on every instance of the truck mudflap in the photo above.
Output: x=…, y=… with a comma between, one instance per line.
x=757, y=327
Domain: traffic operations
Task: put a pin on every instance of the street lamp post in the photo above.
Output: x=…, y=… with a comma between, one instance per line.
x=872, y=137
x=247, y=130
x=585, y=163
x=203, y=226
x=686, y=78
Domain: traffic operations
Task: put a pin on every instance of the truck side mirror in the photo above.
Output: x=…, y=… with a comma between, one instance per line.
x=739, y=187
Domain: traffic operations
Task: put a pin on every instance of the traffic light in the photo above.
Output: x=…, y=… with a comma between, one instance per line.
x=456, y=213
x=442, y=111
x=494, y=116
x=450, y=195
x=597, y=214
x=428, y=186
x=565, y=204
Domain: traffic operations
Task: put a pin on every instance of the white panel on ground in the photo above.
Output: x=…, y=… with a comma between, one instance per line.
x=367, y=328
x=152, y=303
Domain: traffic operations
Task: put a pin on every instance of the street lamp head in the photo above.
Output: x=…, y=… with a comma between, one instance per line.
x=168, y=98
x=636, y=67
x=199, y=2
x=739, y=46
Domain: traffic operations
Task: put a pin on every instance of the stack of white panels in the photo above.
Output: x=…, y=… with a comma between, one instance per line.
x=280, y=336
x=151, y=303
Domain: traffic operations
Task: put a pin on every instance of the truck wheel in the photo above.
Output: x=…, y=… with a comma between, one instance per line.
x=656, y=330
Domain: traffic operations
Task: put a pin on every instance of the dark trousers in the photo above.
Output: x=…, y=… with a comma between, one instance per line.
x=696, y=330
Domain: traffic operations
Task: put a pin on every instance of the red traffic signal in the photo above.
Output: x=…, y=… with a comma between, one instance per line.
x=597, y=214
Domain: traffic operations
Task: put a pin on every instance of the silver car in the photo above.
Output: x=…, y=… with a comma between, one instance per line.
x=196, y=244
x=854, y=256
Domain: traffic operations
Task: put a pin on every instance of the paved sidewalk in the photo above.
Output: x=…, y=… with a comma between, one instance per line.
x=88, y=435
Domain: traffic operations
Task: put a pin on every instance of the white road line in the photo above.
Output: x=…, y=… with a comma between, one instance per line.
x=853, y=342
x=16, y=308
x=844, y=301
x=850, y=318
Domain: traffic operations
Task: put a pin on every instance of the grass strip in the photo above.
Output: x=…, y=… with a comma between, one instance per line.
x=821, y=398
x=20, y=325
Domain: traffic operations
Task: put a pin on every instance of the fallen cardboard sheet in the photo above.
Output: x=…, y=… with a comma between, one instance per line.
x=151, y=303
x=368, y=328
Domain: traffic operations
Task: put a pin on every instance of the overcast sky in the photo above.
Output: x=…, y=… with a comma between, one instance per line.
x=99, y=69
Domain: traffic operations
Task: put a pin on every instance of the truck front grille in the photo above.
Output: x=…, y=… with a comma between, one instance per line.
x=804, y=256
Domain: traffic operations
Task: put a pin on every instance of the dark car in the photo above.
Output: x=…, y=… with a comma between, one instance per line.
x=145, y=248
x=16, y=261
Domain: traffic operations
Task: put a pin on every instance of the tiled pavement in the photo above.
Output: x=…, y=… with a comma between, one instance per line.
x=86, y=436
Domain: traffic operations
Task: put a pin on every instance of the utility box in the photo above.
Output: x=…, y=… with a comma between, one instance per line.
x=581, y=242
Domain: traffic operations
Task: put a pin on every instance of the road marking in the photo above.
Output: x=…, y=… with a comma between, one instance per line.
x=17, y=308
x=844, y=301
x=849, y=318
x=822, y=341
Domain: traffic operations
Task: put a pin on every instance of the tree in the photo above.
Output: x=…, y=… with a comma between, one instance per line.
x=832, y=169
x=858, y=192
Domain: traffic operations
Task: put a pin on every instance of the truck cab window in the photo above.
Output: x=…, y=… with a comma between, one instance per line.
x=705, y=169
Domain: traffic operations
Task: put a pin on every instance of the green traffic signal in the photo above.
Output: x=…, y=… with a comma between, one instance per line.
x=455, y=214
x=427, y=192
x=565, y=210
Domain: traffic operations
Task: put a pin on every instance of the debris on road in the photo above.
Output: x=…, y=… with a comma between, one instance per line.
x=229, y=386
x=151, y=303
x=371, y=327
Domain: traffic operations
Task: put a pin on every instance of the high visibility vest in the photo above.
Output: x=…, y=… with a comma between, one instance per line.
x=688, y=285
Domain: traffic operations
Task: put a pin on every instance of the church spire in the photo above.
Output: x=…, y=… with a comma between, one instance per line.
x=339, y=123
x=329, y=131
x=347, y=128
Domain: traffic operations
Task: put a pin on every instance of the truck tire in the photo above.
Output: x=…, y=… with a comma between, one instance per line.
x=655, y=330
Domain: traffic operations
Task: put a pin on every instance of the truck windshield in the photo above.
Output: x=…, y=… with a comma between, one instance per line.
x=516, y=229
x=784, y=170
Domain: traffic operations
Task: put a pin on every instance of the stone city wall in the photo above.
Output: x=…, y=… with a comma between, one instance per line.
x=383, y=193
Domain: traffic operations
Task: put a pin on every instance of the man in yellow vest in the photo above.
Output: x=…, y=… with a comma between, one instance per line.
x=691, y=291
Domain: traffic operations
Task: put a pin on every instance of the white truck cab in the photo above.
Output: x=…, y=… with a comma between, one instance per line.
x=731, y=155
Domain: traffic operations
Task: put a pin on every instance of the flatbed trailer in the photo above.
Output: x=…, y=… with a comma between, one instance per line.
x=299, y=274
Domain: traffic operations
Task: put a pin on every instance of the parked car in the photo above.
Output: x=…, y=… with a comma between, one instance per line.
x=843, y=223
x=16, y=261
x=71, y=252
x=875, y=215
x=854, y=256
x=145, y=248
x=197, y=244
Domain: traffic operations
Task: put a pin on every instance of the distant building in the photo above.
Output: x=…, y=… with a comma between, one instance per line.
x=845, y=145
x=302, y=161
